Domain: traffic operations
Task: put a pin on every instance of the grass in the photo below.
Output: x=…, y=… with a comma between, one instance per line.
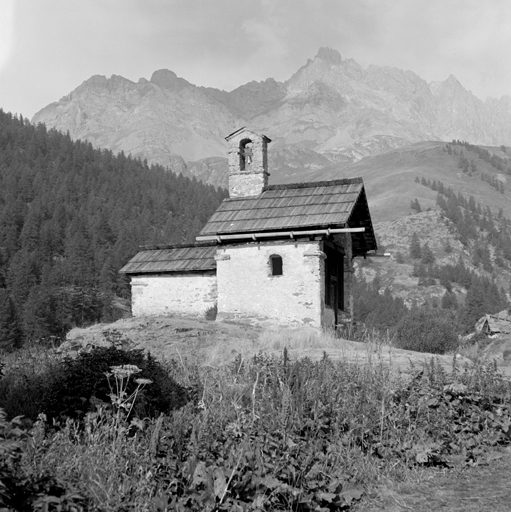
x=263, y=431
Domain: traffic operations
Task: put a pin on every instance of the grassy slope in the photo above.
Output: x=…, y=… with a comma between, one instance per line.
x=390, y=179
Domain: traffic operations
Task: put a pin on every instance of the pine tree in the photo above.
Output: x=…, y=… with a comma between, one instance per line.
x=415, y=247
x=10, y=333
x=427, y=256
x=414, y=205
x=449, y=301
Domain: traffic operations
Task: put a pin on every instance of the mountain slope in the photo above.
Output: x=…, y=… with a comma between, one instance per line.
x=159, y=120
x=390, y=178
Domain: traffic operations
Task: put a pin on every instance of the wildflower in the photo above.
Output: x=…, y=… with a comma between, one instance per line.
x=125, y=370
x=143, y=382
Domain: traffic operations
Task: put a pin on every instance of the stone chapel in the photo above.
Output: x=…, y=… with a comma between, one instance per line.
x=279, y=254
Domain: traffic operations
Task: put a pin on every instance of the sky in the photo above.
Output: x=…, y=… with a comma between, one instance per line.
x=49, y=47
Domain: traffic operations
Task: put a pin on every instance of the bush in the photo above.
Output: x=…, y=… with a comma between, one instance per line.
x=26, y=374
x=211, y=313
x=424, y=330
x=78, y=384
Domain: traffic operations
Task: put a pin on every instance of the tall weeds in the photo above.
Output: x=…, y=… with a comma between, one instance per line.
x=269, y=433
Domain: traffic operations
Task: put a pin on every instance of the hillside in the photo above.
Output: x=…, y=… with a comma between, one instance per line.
x=390, y=178
x=70, y=217
x=462, y=192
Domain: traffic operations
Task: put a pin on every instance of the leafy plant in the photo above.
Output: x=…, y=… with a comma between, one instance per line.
x=19, y=490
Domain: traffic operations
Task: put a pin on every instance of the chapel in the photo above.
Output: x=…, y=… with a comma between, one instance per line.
x=270, y=254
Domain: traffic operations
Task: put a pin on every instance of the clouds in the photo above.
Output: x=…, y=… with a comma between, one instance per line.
x=57, y=44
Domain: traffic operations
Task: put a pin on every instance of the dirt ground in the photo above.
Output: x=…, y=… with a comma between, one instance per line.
x=473, y=489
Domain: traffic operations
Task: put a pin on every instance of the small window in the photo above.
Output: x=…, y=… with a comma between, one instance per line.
x=276, y=265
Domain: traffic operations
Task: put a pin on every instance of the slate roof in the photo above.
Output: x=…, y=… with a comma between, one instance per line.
x=286, y=207
x=173, y=258
x=299, y=206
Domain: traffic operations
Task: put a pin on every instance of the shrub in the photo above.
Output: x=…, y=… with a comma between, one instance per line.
x=426, y=330
x=211, y=313
x=27, y=373
x=78, y=384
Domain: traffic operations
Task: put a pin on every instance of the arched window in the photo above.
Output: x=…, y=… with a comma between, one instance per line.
x=275, y=265
x=245, y=154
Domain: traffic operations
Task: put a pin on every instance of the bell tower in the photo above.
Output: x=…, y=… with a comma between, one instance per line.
x=248, y=163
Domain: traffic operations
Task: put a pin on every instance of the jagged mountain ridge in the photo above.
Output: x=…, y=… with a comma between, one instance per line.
x=330, y=106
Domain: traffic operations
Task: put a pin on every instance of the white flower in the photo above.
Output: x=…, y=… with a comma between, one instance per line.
x=125, y=370
x=142, y=382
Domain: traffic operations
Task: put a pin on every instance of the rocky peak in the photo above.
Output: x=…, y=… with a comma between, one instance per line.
x=450, y=85
x=167, y=79
x=329, y=55
x=102, y=82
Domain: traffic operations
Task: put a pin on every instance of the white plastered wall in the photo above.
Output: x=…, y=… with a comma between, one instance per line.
x=248, y=291
x=165, y=294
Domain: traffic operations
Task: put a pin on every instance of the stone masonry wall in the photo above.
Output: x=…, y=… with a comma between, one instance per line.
x=243, y=184
x=188, y=294
x=248, y=291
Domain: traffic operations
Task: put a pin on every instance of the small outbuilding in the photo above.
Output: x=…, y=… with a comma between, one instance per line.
x=270, y=253
x=493, y=325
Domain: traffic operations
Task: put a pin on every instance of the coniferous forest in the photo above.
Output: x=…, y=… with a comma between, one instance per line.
x=70, y=217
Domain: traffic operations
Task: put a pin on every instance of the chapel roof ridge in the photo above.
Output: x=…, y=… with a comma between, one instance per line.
x=311, y=184
x=158, y=247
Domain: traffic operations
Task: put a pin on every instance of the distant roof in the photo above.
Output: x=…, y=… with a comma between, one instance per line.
x=172, y=258
x=322, y=204
x=499, y=323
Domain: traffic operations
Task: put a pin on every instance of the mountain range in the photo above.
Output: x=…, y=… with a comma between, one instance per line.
x=330, y=111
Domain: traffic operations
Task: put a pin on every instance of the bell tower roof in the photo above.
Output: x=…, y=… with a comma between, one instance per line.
x=244, y=130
